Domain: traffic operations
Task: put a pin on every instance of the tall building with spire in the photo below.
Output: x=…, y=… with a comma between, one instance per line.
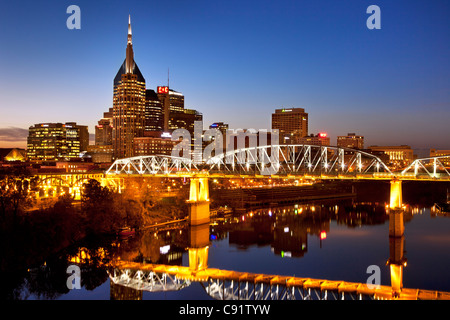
x=128, y=103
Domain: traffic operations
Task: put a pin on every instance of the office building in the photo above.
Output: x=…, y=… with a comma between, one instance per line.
x=128, y=104
x=441, y=153
x=153, y=144
x=104, y=129
x=320, y=139
x=154, y=116
x=351, y=141
x=399, y=156
x=55, y=141
x=175, y=115
x=292, y=124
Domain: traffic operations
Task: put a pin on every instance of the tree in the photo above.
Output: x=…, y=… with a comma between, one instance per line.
x=98, y=206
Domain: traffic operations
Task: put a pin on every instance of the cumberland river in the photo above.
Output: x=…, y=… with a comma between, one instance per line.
x=329, y=239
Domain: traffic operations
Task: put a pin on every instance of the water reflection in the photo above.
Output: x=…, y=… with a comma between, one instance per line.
x=281, y=231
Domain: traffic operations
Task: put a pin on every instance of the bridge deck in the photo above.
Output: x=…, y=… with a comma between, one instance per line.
x=208, y=274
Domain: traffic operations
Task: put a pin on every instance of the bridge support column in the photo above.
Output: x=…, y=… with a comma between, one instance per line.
x=396, y=194
x=199, y=201
x=396, y=238
x=396, y=225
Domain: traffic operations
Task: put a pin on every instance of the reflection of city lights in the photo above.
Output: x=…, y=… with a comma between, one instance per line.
x=323, y=235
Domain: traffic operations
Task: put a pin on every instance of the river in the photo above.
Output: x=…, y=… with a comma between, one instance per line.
x=339, y=239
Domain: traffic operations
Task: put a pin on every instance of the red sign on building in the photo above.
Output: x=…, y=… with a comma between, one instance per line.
x=163, y=89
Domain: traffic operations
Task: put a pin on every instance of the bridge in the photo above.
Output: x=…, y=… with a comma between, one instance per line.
x=306, y=162
x=282, y=161
x=274, y=162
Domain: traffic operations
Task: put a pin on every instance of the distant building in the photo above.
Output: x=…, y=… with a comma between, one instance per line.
x=175, y=115
x=441, y=153
x=16, y=155
x=55, y=141
x=153, y=145
x=75, y=167
x=101, y=153
x=104, y=129
x=399, y=156
x=154, y=113
x=222, y=127
x=292, y=124
x=320, y=139
x=351, y=141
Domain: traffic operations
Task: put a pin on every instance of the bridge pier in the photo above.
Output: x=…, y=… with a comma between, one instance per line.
x=199, y=202
x=396, y=260
x=396, y=225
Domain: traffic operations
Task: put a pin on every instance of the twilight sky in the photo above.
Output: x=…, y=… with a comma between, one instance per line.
x=236, y=62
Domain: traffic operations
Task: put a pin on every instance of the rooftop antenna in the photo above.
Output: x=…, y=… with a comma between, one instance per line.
x=168, y=76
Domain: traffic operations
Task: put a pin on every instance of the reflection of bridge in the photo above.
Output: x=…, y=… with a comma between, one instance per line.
x=233, y=285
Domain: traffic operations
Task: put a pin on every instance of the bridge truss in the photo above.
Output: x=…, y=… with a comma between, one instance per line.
x=434, y=168
x=153, y=165
x=263, y=160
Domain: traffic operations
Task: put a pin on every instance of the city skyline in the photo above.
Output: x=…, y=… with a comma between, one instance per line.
x=388, y=85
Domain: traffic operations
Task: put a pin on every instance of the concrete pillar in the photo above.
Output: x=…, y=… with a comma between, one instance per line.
x=396, y=260
x=396, y=225
x=396, y=194
x=199, y=201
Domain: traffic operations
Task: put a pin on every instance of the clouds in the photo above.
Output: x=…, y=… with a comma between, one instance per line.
x=13, y=134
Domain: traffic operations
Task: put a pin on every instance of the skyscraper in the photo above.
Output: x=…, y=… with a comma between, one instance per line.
x=128, y=103
x=292, y=124
x=154, y=116
x=104, y=128
x=175, y=116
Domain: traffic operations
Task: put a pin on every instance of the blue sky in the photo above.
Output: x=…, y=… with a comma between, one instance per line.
x=236, y=62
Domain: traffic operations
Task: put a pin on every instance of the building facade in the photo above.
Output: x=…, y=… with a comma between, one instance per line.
x=154, y=113
x=104, y=129
x=292, y=124
x=351, y=141
x=55, y=141
x=399, y=156
x=441, y=153
x=128, y=104
x=153, y=145
x=320, y=139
